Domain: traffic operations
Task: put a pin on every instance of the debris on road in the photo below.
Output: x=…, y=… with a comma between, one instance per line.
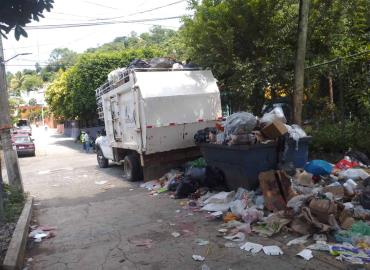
x=272, y=250
x=198, y=258
x=175, y=234
x=148, y=243
x=201, y=242
x=305, y=254
x=316, y=200
x=38, y=233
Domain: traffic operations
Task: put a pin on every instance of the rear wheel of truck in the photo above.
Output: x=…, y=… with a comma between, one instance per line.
x=132, y=168
x=102, y=161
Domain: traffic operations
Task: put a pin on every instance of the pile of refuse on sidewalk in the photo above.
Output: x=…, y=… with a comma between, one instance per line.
x=326, y=205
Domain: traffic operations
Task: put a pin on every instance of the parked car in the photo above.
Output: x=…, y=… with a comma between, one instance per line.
x=24, y=130
x=24, y=145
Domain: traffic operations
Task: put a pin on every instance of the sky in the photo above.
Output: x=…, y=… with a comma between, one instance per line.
x=41, y=42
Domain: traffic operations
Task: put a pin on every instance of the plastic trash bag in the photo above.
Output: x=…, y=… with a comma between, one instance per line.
x=276, y=114
x=161, y=62
x=318, y=167
x=252, y=247
x=355, y=174
x=240, y=123
x=272, y=250
x=139, y=63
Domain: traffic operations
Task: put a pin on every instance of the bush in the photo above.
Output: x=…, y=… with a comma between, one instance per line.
x=339, y=137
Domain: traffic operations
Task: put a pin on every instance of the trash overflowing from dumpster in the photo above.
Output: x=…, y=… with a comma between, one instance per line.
x=325, y=206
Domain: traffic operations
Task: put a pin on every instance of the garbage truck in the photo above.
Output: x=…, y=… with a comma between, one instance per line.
x=151, y=116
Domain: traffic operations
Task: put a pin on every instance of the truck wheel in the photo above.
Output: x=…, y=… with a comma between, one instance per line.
x=102, y=161
x=132, y=168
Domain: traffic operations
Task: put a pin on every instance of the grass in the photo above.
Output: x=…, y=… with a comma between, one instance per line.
x=13, y=203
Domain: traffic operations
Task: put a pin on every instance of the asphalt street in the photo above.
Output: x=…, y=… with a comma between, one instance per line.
x=105, y=222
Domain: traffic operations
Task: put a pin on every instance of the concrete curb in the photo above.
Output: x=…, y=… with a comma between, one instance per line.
x=15, y=255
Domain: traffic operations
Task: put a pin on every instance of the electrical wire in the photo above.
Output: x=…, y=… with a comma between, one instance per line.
x=143, y=11
x=71, y=25
x=99, y=5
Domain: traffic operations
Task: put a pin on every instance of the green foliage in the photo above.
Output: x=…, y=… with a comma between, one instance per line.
x=61, y=58
x=250, y=46
x=32, y=102
x=56, y=95
x=72, y=93
x=15, y=14
x=339, y=137
x=13, y=202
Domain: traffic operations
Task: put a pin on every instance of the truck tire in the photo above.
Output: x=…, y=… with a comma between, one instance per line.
x=132, y=168
x=102, y=161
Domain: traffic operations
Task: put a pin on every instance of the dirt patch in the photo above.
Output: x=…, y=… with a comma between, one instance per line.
x=6, y=232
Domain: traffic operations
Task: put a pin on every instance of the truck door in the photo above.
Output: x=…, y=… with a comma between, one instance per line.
x=116, y=124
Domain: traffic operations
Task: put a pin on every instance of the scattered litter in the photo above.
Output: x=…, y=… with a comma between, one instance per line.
x=201, y=242
x=101, y=182
x=222, y=230
x=299, y=240
x=216, y=207
x=142, y=243
x=29, y=259
x=172, y=224
x=131, y=189
x=320, y=237
x=306, y=254
x=252, y=247
x=238, y=237
x=272, y=250
x=41, y=232
x=348, y=253
x=178, y=211
x=319, y=246
x=217, y=214
x=198, y=258
x=175, y=234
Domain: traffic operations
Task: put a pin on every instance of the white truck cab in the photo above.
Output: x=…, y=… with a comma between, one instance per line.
x=151, y=117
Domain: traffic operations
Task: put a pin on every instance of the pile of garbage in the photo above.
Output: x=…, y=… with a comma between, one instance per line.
x=326, y=205
x=243, y=128
x=154, y=63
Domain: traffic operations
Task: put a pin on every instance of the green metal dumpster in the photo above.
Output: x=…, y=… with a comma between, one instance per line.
x=241, y=164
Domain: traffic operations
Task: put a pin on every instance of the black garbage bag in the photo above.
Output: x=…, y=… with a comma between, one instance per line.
x=139, y=63
x=202, y=136
x=214, y=179
x=196, y=174
x=358, y=156
x=186, y=187
x=365, y=198
x=174, y=183
x=161, y=62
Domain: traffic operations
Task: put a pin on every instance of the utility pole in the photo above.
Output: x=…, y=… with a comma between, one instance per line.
x=299, y=62
x=10, y=156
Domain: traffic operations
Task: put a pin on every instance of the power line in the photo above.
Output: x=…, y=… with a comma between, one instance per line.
x=99, y=5
x=71, y=25
x=144, y=11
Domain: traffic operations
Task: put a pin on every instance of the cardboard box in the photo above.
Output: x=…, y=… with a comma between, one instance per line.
x=274, y=130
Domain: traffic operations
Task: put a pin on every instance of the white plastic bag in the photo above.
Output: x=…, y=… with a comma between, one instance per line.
x=355, y=174
x=272, y=250
x=276, y=114
x=252, y=247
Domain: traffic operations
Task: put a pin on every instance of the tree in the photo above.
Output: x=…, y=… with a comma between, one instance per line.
x=17, y=13
x=61, y=58
x=32, y=102
x=72, y=94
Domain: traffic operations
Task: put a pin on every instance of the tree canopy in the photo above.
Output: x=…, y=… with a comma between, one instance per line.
x=15, y=14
